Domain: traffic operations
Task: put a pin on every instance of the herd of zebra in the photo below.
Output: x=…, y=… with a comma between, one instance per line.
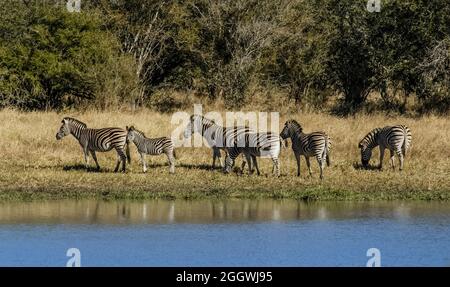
x=234, y=141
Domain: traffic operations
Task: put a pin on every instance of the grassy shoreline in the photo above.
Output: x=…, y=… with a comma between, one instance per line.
x=35, y=166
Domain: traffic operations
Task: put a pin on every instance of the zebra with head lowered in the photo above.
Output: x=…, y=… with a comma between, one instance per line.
x=217, y=137
x=252, y=145
x=317, y=144
x=395, y=138
x=152, y=146
x=92, y=140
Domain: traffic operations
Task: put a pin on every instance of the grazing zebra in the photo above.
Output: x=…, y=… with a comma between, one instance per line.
x=92, y=140
x=217, y=137
x=154, y=146
x=395, y=138
x=317, y=144
x=253, y=144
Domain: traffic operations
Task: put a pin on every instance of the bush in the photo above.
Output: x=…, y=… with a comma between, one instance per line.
x=50, y=58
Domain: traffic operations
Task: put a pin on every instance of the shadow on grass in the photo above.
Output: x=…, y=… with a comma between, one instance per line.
x=359, y=166
x=80, y=167
x=202, y=166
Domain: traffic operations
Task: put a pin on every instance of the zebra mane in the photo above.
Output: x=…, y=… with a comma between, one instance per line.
x=369, y=138
x=75, y=121
x=205, y=121
x=294, y=124
x=141, y=133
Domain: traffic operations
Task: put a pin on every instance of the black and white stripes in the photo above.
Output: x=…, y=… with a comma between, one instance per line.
x=315, y=144
x=252, y=145
x=92, y=140
x=217, y=137
x=395, y=138
x=234, y=141
x=152, y=146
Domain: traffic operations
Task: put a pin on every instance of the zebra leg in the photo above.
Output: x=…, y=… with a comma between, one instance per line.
x=244, y=162
x=117, y=164
x=171, y=159
x=94, y=156
x=249, y=160
x=400, y=157
x=144, y=164
x=229, y=162
x=276, y=166
x=380, y=166
x=121, y=157
x=309, y=165
x=392, y=159
x=86, y=157
x=216, y=154
x=256, y=164
x=214, y=158
x=297, y=158
x=321, y=163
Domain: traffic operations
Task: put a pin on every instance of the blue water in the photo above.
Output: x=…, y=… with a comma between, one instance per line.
x=339, y=239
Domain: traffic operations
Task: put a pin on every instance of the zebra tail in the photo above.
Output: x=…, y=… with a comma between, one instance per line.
x=127, y=151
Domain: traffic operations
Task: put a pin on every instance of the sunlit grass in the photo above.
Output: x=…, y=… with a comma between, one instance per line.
x=35, y=165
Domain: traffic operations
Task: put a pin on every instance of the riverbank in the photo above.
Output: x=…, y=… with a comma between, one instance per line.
x=35, y=166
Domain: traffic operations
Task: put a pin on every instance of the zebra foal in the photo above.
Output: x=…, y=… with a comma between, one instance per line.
x=101, y=140
x=152, y=146
x=317, y=144
x=395, y=138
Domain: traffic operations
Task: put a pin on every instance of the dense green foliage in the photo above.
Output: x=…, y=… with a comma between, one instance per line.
x=311, y=51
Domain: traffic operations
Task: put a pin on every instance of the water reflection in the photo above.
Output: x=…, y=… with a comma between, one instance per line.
x=207, y=211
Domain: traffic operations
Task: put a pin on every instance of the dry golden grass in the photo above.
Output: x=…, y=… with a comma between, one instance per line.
x=35, y=165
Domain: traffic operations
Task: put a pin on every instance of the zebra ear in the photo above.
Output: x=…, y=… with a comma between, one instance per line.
x=127, y=128
x=360, y=145
x=64, y=121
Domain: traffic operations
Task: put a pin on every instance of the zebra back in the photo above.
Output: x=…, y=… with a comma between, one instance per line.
x=315, y=143
x=396, y=137
x=152, y=146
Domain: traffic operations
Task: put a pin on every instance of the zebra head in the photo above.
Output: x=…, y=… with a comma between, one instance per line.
x=134, y=135
x=196, y=124
x=367, y=144
x=291, y=127
x=130, y=133
x=69, y=125
x=366, y=153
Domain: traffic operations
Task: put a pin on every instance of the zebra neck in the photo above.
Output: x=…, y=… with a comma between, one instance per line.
x=298, y=136
x=139, y=141
x=208, y=129
x=76, y=131
x=373, y=140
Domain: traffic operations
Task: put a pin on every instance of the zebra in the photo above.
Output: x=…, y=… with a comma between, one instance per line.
x=317, y=144
x=152, y=146
x=217, y=137
x=395, y=138
x=92, y=140
x=253, y=144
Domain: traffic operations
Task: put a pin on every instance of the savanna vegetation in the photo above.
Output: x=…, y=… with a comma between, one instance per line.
x=331, y=64
x=34, y=165
x=327, y=55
